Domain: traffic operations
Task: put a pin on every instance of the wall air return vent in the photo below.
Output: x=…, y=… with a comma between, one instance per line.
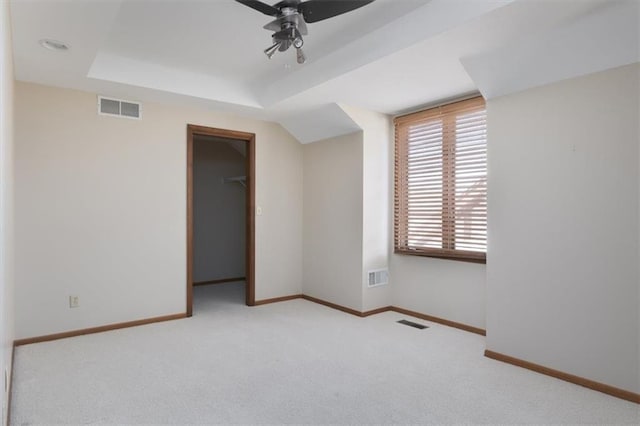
x=377, y=277
x=119, y=108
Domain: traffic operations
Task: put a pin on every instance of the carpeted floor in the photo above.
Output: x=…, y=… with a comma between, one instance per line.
x=289, y=362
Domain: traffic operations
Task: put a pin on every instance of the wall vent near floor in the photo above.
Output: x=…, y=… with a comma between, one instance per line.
x=378, y=277
x=412, y=324
x=119, y=108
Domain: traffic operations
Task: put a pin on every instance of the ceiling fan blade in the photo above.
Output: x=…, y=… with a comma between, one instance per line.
x=318, y=10
x=260, y=7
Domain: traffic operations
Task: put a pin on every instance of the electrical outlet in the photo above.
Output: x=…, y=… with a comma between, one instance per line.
x=74, y=301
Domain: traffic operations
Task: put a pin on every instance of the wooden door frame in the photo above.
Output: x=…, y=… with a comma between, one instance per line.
x=250, y=166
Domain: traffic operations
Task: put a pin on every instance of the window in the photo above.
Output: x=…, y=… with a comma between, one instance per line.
x=441, y=182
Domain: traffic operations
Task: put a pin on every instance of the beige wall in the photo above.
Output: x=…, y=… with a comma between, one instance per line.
x=447, y=289
x=562, y=267
x=100, y=210
x=219, y=211
x=6, y=202
x=333, y=220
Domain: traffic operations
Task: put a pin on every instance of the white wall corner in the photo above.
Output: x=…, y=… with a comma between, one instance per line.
x=377, y=198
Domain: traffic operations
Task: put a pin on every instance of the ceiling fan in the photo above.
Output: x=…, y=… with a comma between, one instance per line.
x=292, y=17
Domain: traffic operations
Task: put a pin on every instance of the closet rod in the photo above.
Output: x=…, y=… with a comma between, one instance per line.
x=242, y=180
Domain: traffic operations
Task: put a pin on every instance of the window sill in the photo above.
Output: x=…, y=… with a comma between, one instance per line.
x=460, y=258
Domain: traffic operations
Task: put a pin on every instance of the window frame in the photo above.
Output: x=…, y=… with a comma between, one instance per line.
x=448, y=113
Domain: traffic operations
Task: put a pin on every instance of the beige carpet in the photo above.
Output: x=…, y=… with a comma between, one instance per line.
x=290, y=362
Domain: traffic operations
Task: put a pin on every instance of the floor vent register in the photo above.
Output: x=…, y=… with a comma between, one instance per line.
x=412, y=324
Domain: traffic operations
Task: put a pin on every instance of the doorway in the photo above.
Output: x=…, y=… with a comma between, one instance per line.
x=246, y=141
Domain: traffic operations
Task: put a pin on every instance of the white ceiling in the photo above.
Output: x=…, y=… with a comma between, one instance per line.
x=390, y=56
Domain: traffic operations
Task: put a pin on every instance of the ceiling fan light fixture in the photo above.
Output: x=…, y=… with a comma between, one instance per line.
x=292, y=17
x=270, y=51
x=300, y=56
